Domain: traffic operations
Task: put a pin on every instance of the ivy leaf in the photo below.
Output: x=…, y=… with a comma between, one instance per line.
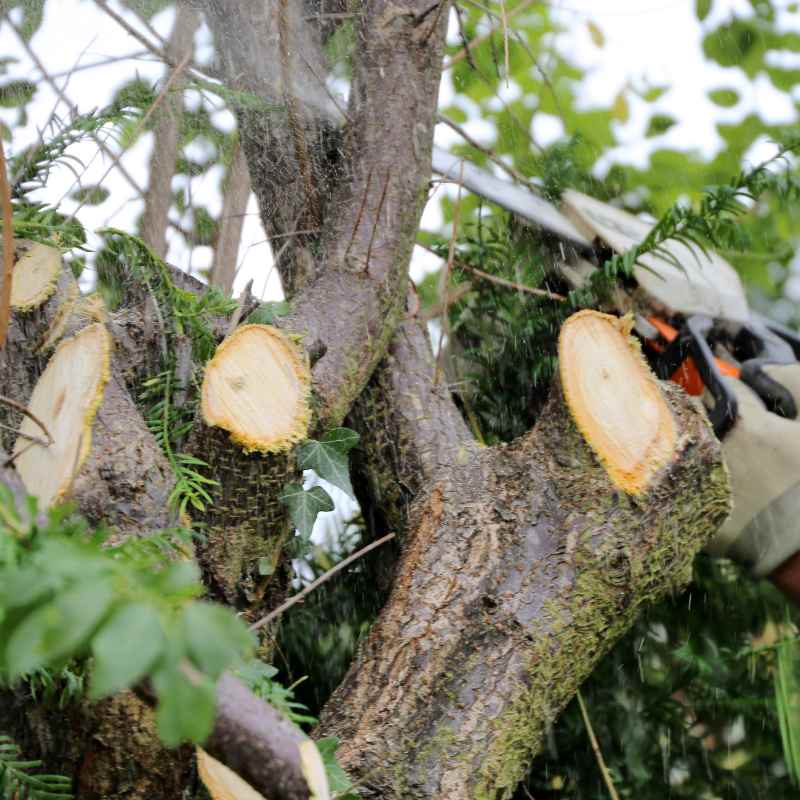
x=343, y=439
x=328, y=457
x=305, y=505
x=125, y=648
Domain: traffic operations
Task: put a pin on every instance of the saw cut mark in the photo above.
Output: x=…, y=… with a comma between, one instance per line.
x=65, y=399
x=35, y=275
x=615, y=399
x=256, y=388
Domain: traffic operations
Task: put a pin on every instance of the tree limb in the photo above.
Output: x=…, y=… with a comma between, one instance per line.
x=521, y=566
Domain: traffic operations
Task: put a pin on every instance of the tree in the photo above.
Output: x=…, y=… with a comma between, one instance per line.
x=519, y=564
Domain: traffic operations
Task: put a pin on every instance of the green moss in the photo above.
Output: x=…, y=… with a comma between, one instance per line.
x=610, y=585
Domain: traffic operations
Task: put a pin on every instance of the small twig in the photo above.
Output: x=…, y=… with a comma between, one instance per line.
x=174, y=75
x=377, y=219
x=7, y=401
x=8, y=248
x=197, y=72
x=487, y=151
x=244, y=300
x=446, y=276
x=520, y=287
x=22, y=435
x=504, y=19
x=462, y=54
x=300, y=596
x=131, y=31
x=62, y=95
x=596, y=748
x=137, y=54
x=359, y=215
x=435, y=22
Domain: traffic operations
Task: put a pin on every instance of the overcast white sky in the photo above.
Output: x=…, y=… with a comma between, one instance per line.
x=647, y=43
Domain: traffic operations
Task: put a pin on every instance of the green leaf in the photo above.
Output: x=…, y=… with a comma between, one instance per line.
x=659, y=123
x=328, y=457
x=265, y=314
x=91, y=195
x=215, y=638
x=596, y=33
x=654, y=93
x=125, y=648
x=702, y=9
x=724, y=97
x=338, y=780
x=16, y=93
x=343, y=439
x=185, y=709
x=305, y=505
x=59, y=629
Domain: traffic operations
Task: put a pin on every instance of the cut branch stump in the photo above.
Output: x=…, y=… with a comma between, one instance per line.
x=254, y=408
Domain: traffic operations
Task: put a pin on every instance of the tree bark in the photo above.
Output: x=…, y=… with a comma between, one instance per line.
x=522, y=565
x=235, y=196
x=167, y=135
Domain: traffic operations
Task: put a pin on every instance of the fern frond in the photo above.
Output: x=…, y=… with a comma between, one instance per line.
x=18, y=782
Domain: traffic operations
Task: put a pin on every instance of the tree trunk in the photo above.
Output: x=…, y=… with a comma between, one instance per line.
x=520, y=564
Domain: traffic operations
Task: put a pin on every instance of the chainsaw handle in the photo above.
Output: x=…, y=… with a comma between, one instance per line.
x=691, y=342
x=726, y=407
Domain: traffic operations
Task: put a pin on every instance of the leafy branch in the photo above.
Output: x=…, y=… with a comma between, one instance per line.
x=715, y=221
x=64, y=596
x=32, y=167
x=185, y=315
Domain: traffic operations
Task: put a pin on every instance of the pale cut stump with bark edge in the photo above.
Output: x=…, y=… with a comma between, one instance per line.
x=255, y=407
x=102, y=456
x=42, y=294
x=523, y=565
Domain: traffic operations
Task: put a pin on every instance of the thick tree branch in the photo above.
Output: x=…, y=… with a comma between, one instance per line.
x=167, y=123
x=234, y=206
x=522, y=565
x=349, y=300
x=257, y=743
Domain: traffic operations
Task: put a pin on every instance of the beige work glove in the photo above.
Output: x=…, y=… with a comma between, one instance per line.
x=762, y=452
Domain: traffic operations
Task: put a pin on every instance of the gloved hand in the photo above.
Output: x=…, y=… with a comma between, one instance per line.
x=762, y=453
